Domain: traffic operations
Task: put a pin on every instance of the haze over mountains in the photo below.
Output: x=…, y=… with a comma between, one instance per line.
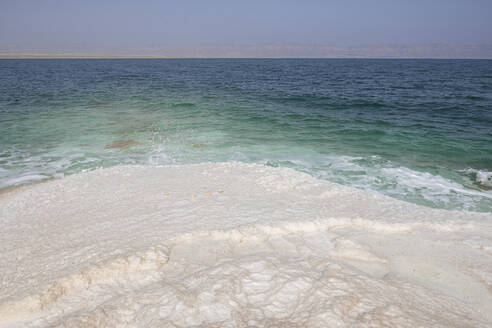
x=433, y=50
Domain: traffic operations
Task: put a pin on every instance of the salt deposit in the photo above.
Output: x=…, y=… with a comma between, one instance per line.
x=235, y=245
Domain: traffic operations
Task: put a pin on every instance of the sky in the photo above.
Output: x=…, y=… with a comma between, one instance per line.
x=159, y=27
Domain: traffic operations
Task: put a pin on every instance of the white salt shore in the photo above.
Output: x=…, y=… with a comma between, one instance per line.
x=235, y=245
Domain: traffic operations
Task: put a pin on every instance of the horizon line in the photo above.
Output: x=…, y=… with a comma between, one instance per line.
x=102, y=56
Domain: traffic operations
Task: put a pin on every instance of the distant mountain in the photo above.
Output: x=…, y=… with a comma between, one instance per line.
x=436, y=50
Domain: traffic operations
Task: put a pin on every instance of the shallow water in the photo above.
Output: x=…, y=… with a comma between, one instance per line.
x=416, y=130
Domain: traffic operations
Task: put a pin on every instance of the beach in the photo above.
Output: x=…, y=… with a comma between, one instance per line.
x=232, y=245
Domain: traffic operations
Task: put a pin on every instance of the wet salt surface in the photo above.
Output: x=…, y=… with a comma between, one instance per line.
x=233, y=244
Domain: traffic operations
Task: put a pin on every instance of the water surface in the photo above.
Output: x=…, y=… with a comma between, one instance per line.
x=416, y=130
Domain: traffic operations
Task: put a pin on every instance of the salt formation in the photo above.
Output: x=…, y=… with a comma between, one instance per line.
x=235, y=245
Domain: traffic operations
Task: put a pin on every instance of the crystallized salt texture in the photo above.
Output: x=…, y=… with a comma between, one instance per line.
x=235, y=245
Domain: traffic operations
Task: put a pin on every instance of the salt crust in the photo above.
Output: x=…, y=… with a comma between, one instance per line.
x=235, y=245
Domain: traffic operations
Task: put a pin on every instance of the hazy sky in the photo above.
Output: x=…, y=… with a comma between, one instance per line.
x=64, y=25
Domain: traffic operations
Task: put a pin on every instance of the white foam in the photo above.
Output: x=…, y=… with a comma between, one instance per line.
x=402, y=182
x=23, y=179
x=432, y=186
x=232, y=245
x=482, y=177
x=485, y=178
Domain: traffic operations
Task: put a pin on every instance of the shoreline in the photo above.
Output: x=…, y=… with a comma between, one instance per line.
x=140, y=234
x=26, y=185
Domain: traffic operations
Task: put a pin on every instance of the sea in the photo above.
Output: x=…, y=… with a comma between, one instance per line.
x=415, y=130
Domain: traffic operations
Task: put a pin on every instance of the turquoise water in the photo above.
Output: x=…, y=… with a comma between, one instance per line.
x=417, y=130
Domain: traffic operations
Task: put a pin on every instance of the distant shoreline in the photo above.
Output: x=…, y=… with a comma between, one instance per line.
x=86, y=56
x=72, y=56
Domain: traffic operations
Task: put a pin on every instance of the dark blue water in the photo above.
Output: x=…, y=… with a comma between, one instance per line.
x=417, y=130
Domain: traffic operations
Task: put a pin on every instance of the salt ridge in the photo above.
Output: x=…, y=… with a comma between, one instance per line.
x=233, y=244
